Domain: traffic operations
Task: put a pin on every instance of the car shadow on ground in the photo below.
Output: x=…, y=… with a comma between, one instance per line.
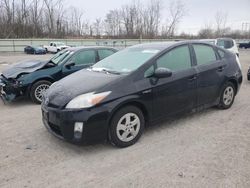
x=165, y=125
x=21, y=101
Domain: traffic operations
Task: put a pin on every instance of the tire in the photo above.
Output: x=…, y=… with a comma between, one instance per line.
x=227, y=96
x=35, y=94
x=46, y=50
x=122, y=133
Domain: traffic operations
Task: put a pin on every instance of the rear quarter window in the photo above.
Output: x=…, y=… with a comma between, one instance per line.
x=221, y=53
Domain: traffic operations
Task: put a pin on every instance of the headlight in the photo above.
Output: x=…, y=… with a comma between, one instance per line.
x=87, y=100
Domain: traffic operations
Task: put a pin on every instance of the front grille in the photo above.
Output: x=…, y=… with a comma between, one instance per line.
x=55, y=128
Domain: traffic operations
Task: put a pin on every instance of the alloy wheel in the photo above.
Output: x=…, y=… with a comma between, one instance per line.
x=228, y=95
x=128, y=127
x=39, y=91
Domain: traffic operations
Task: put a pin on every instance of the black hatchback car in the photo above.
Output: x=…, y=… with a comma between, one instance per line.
x=33, y=78
x=139, y=86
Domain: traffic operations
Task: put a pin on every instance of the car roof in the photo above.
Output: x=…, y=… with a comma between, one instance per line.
x=225, y=39
x=207, y=39
x=164, y=45
x=154, y=45
x=73, y=49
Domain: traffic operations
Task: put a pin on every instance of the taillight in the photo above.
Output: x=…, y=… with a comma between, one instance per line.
x=238, y=61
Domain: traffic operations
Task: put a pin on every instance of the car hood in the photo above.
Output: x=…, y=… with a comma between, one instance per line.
x=81, y=82
x=63, y=46
x=23, y=67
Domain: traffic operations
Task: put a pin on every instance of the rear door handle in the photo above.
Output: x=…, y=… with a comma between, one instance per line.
x=220, y=69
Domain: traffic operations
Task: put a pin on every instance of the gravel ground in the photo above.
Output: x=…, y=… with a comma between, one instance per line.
x=206, y=149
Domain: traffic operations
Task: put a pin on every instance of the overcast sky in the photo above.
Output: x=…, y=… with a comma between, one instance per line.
x=199, y=11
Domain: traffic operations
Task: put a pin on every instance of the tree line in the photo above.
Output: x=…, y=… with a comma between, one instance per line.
x=51, y=19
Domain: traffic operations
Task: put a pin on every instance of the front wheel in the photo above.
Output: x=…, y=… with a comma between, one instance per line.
x=127, y=126
x=227, y=96
x=37, y=90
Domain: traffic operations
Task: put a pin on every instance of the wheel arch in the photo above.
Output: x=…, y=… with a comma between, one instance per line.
x=131, y=102
x=235, y=83
x=37, y=80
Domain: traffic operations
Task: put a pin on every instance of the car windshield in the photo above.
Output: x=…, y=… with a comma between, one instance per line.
x=60, y=56
x=125, y=61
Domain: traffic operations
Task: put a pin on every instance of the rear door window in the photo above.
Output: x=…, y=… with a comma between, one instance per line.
x=85, y=57
x=104, y=53
x=176, y=59
x=204, y=54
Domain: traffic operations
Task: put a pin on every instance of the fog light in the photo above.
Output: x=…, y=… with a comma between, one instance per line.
x=78, y=130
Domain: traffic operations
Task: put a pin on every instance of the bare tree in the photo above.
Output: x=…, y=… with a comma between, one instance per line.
x=53, y=7
x=206, y=32
x=177, y=12
x=220, y=21
x=131, y=15
x=8, y=17
x=152, y=17
x=97, y=27
x=36, y=9
x=113, y=23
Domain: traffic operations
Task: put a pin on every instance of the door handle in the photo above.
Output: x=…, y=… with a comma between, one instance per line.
x=192, y=78
x=147, y=91
x=220, y=69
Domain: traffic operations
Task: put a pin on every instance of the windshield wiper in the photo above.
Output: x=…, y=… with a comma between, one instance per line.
x=51, y=61
x=111, y=72
x=105, y=70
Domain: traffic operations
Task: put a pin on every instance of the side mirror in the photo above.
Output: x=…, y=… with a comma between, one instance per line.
x=162, y=73
x=71, y=64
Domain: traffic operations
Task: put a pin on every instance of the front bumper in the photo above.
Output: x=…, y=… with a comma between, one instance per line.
x=2, y=92
x=10, y=91
x=248, y=74
x=60, y=122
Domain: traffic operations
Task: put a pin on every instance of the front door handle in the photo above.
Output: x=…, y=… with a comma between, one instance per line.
x=147, y=91
x=192, y=78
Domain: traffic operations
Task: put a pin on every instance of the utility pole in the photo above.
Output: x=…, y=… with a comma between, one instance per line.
x=245, y=26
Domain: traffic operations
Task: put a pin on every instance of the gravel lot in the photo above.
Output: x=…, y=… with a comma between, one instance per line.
x=206, y=149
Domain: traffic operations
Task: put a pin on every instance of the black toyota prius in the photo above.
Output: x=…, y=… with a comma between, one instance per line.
x=117, y=97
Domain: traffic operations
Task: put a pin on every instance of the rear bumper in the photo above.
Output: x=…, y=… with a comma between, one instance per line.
x=60, y=123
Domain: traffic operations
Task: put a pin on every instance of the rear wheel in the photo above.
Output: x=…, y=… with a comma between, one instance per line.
x=127, y=126
x=37, y=90
x=227, y=96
